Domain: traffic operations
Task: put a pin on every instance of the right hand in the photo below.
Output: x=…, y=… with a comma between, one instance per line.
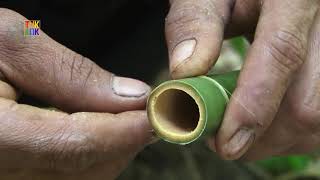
x=275, y=108
x=42, y=144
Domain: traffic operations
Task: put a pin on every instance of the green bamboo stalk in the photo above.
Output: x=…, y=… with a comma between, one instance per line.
x=180, y=111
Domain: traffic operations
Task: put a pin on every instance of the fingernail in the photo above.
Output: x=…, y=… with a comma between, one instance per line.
x=182, y=52
x=239, y=143
x=128, y=87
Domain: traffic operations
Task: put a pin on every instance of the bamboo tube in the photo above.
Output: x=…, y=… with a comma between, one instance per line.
x=180, y=111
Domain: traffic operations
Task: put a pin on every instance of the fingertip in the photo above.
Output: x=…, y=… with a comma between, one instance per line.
x=116, y=94
x=238, y=129
x=211, y=144
x=238, y=144
x=191, y=68
x=199, y=63
x=128, y=94
x=194, y=33
x=139, y=129
x=128, y=87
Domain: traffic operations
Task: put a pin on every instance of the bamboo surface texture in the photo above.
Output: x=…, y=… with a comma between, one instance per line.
x=181, y=111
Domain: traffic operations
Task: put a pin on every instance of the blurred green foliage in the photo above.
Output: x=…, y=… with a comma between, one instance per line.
x=280, y=165
x=240, y=44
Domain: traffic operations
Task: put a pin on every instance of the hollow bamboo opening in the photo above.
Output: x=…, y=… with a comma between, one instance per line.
x=176, y=111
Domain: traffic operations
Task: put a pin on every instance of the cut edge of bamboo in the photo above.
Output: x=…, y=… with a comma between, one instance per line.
x=168, y=126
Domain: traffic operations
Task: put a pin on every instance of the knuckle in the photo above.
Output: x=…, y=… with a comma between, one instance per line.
x=186, y=18
x=288, y=50
x=10, y=22
x=77, y=66
x=11, y=30
x=72, y=75
x=10, y=33
x=305, y=118
x=258, y=104
x=17, y=52
x=182, y=15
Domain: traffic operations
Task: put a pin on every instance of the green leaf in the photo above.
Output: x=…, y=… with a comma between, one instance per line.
x=280, y=165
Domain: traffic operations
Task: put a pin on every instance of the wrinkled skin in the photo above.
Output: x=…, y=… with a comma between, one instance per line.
x=42, y=144
x=275, y=109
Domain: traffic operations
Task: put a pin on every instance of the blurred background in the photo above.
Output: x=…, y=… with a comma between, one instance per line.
x=127, y=38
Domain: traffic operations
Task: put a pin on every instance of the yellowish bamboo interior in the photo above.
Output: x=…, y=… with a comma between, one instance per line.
x=176, y=111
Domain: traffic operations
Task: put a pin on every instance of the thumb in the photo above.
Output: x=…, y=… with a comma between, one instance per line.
x=194, y=33
x=45, y=69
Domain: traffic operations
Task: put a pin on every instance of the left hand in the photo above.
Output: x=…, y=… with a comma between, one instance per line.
x=275, y=109
x=39, y=144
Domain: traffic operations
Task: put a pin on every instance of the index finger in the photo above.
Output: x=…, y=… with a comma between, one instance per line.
x=278, y=50
x=194, y=34
x=35, y=138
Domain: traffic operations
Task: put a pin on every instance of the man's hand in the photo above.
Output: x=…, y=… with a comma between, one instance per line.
x=275, y=109
x=42, y=144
